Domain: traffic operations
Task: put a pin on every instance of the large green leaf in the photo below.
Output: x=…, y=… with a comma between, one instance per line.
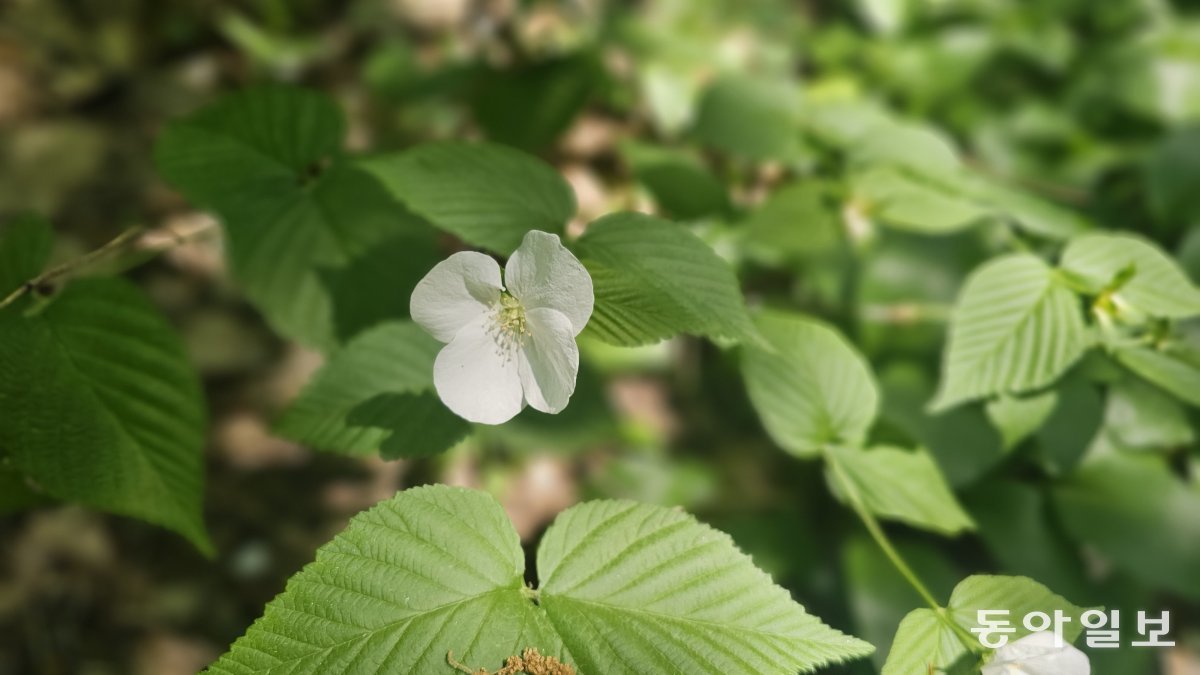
x=1140, y=416
x=530, y=106
x=1158, y=287
x=679, y=182
x=809, y=386
x=654, y=279
x=1014, y=329
x=638, y=588
x=796, y=221
x=295, y=227
x=101, y=406
x=1164, y=369
x=370, y=395
x=487, y=195
x=25, y=244
x=430, y=572
x=626, y=588
x=899, y=484
x=1135, y=513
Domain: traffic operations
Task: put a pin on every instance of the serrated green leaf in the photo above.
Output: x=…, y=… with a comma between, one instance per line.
x=102, y=406
x=654, y=279
x=1158, y=286
x=750, y=117
x=1014, y=329
x=338, y=410
x=25, y=243
x=1017, y=418
x=924, y=640
x=1165, y=370
x=437, y=570
x=415, y=424
x=646, y=589
x=901, y=485
x=808, y=385
x=1139, y=516
x=901, y=200
x=432, y=571
x=256, y=158
x=1140, y=416
x=487, y=195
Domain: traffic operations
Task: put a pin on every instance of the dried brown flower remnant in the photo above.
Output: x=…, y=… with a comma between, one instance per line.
x=530, y=662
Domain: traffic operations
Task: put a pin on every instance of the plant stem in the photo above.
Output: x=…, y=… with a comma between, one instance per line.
x=116, y=244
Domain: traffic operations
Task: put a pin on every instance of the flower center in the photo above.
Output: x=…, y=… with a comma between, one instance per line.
x=510, y=317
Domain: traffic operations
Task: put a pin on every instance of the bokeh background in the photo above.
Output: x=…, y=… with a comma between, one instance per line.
x=1085, y=103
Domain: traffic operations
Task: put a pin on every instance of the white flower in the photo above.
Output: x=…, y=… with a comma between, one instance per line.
x=1037, y=654
x=507, y=345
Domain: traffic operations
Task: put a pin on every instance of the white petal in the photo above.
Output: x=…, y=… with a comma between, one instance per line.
x=1036, y=654
x=454, y=293
x=549, y=360
x=543, y=273
x=477, y=378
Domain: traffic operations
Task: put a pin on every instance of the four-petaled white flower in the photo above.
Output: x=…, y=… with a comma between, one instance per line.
x=1038, y=654
x=508, y=344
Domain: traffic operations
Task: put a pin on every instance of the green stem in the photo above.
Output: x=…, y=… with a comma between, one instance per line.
x=881, y=539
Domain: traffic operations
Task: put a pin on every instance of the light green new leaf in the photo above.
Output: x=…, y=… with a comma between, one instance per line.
x=369, y=391
x=1164, y=369
x=432, y=571
x=625, y=588
x=750, y=117
x=899, y=484
x=903, y=201
x=102, y=407
x=1018, y=595
x=654, y=279
x=645, y=589
x=1158, y=287
x=25, y=244
x=808, y=385
x=924, y=640
x=487, y=195
x=1017, y=418
x=256, y=158
x=894, y=143
x=1135, y=513
x=1014, y=329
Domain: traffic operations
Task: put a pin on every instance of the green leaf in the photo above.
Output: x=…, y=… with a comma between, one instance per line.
x=808, y=385
x=750, y=117
x=654, y=279
x=16, y=492
x=438, y=570
x=1017, y=418
x=1068, y=432
x=25, y=244
x=530, y=107
x=796, y=221
x=904, y=144
x=432, y=571
x=901, y=200
x=1018, y=595
x=679, y=182
x=922, y=640
x=639, y=588
x=103, y=406
x=1014, y=329
x=1158, y=286
x=1142, y=416
x=369, y=396
x=1164, y=369
x=487, y=195
x=1136, y=514
x=901, y=485
x=295, y=228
